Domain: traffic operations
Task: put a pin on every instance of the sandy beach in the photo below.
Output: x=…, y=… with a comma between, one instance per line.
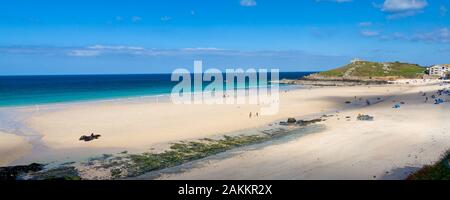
x=397, y=141
x=145, y=124
x=12, y=147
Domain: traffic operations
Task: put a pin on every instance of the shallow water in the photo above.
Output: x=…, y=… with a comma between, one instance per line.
x=37, y=90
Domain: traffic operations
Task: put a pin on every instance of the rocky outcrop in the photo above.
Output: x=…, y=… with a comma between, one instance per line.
x=294, y=122
x=362, y=117
x=88, y=138
x=333, y=82
x=58, y=173
x=291, y=120
x=349, y=79
x=11, y=173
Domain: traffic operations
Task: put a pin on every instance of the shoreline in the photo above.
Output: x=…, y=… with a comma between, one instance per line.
x=120, y=99
x=15, y=121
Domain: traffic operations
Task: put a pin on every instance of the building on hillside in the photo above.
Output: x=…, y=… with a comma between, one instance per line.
x=439, y=70
x=356, y=60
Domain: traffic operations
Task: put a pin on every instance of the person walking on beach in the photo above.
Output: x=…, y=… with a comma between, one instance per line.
x=250, y=115
x=257, y=114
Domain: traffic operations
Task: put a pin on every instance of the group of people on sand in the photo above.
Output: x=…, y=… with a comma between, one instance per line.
x=439, y=93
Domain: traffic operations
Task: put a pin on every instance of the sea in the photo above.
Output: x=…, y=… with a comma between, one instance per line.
x=37, y=90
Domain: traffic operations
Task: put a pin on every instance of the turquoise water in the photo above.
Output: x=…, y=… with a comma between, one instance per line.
x=34, y=90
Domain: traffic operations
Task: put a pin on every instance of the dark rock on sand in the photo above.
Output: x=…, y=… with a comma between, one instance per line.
x=291, y=120
x=284, y=123
x=362, y=117
x=59, y=173
x=11, y=173
x=88, y=138
x=308, y=122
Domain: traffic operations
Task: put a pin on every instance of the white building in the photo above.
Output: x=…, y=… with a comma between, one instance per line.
x=356, y=60
x=439, y=70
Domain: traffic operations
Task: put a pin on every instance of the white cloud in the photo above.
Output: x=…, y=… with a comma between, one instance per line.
x=203, y=49
x=369, y=33
x=164, y=60
x=104, y=50
x=248, y=3
x=403, y=8
x=403, y=5
x=97, y=50
x=84, y=53
x=107, y=47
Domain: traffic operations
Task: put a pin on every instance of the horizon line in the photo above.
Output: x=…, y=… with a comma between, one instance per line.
x=114, y=74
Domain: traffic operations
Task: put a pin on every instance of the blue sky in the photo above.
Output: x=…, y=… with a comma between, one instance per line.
x=157, y=36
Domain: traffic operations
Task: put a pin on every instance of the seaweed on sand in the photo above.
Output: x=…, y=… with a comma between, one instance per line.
x=183, y=152
x=125, y=165
x=59, y=173
x=438, y=171
x=13, y=172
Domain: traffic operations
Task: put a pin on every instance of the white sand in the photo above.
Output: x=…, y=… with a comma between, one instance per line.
x=143, y=124
x=12, y=147
x=396, y=143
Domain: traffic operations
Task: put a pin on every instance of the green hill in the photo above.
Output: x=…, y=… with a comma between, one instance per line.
x=361, y=69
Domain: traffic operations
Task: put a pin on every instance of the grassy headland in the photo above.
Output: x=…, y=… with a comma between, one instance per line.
x=366, y=69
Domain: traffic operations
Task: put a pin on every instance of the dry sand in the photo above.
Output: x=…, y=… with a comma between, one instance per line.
x=397, y=142
x=143, y=124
